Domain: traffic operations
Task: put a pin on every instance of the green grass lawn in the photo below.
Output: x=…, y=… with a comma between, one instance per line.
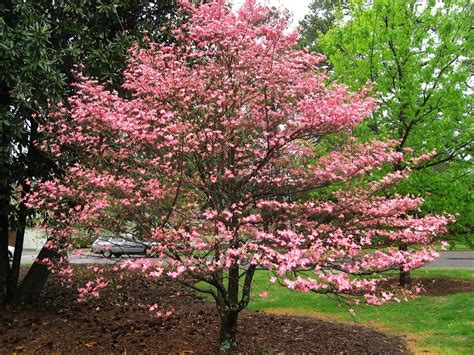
x=436, y=324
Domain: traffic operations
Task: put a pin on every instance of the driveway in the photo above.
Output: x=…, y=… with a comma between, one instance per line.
x=454, y=259
x=447, y=259
x=84, y=257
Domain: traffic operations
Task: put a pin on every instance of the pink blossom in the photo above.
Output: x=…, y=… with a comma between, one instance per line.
x=212, y=158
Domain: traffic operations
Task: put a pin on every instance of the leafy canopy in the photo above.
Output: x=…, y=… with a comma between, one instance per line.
x=418, y=58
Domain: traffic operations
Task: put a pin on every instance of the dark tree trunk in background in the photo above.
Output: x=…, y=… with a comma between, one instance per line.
x=5, y=175
x=35, y=279
x=5, y=273
x=228, y=330
x=23, y=210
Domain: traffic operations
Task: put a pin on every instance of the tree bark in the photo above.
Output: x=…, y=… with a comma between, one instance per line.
x=5, y=175
x=5, y=273
x=404, y=278
x=34, y=281
x=16, y=263
x=228, y=330
x=23, y=210
x=233, y=285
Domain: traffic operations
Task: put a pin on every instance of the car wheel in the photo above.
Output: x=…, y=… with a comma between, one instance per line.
x=107, y=253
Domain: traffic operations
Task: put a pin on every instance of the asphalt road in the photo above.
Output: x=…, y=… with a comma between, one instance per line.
x=454, y=259
x=83, y=258
x=447, y=259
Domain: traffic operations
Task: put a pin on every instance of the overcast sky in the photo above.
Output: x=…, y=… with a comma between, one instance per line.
x=299, y=8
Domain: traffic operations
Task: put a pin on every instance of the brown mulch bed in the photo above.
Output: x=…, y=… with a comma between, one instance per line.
x=438, y=286
x=122, y=324
x=443, y=286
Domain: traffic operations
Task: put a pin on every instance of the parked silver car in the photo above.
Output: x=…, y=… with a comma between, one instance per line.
x=117, y=246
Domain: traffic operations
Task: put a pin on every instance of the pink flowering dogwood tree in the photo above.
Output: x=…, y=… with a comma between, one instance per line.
x=209, y=156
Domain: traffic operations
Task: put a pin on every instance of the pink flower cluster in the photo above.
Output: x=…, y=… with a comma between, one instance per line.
x=91, y=289
x=214, y=155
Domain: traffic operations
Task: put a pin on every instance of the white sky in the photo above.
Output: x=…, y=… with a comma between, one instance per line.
x=299, y=8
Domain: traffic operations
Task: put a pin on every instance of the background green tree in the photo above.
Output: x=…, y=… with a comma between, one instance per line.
x=319, y=19
x=40, y=42
x=418, y=56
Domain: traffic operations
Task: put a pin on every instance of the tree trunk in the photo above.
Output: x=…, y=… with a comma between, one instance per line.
x=228, y=313
x=5, y=175
x=34, y=281
x=5, y=273
x=20, y=236
x=23, y=210
x=228, y=331
x=404, y=278
x=16, y=263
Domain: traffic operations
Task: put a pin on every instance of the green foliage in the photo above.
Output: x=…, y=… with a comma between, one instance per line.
x=83, y=242
x=41, y=42
x=451, y=191
x=318, y=21
x=419, y=59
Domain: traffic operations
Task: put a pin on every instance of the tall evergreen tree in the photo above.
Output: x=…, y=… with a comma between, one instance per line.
x=40, y=42
x=318, y=21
